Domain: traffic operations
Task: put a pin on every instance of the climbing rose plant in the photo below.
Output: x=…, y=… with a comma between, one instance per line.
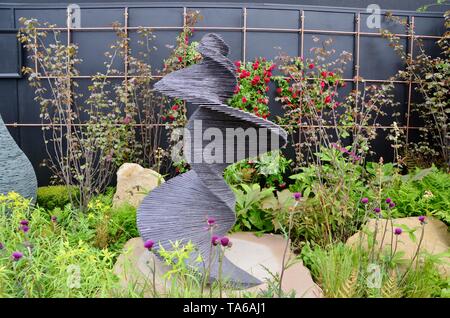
x=253, y=85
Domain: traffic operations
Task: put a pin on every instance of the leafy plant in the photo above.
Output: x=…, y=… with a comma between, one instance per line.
x=52, y=197
x=250, y=215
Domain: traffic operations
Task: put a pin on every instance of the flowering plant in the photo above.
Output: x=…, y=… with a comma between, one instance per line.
x=253, y=85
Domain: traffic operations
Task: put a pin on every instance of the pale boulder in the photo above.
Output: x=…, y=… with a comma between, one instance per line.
x=133, y=183
x=134, y=266
x=436, y=238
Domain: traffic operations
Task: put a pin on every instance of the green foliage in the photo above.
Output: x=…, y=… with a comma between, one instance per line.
x=53, y=255
x=422, y=192
x=52, y=197
x=268, y=170
x=249, y=212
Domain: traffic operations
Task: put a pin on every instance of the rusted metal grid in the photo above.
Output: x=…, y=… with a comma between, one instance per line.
x=301, y=31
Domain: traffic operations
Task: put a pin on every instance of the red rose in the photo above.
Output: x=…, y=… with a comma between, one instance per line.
x=327, y=99
x=238, y=64
x=255, y=109
x=272, y=67
x=324, y=74
x=244, y=100
x=290, y=89
x=266, y=80
x=279, y=90
x=255, y=65
x=171, y=117
x=294, y=95
x=267, y=88
x=180, y=59
x=264, y=116
x=237, y=89
x=330, y=74
x=175, y=107
x=322, y=84
x=311, y=66
x=336, y=105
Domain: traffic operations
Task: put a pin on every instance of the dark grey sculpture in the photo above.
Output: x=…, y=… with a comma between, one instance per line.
x=177, y=210
x=16, y=172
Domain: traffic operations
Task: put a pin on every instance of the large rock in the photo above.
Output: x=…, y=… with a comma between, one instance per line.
x=16, y=172
x=249, y=252
x=436, y=238
x=133, y=184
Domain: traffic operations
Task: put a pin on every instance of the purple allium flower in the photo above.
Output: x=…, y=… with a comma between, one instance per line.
x=1, y=246
x=392, y=205
x=16, y=256
x=215, y=240
x=225, y=241
x=365, y=200
x=297, y=196
x=24, y=222
x=377, y=210
x=149, y=244
x=54, y=219
x=25, y=228
x=388, y=200
x=211, y=221
x=422, y=219
x=398, y=231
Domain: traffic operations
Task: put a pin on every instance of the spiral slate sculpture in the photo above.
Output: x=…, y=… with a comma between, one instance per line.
x=16, y=171
x=177, y=210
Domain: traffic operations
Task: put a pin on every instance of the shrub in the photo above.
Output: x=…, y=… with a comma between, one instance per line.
x=52, y=197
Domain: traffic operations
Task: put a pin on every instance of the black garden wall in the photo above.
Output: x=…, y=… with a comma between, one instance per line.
x=251, y=30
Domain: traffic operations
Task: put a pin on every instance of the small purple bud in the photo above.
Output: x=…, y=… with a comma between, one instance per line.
x=211, y=221
x=24, y=222
x=215, y=240
x=297, y=196
x=25, y=228
x=54, y=219
x=377, y=210
x=225, y=241
x=398, y=231
x=422, y=219
x=149, y=244
x=365, y=200
x=388, y=200
x=16, y=256
x=392, y=205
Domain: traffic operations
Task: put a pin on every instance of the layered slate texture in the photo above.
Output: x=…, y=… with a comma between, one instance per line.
x=16, y=172
x=218, y=135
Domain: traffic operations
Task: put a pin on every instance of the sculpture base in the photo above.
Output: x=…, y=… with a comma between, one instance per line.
x=249, y=252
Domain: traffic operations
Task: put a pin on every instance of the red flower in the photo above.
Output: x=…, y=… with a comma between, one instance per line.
x=267, y=88
x=180, y=59
x=330, y=74
x=311, y=66
x=324, y=74
x=266, y=80
x=335, y=105
x=255, y=80
x=344, y=84
x=237, y=89
x=244, y=100
x=272, y=67
x=171, y=117
x=163, y=117
x=294, y=95
x=264, y=116
x=322, y=84
x=255, y=65
x=279, y=90
x=265, y=101
x=327, y=99
x=238, y=64
x=175, y=107
x=255, y=109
